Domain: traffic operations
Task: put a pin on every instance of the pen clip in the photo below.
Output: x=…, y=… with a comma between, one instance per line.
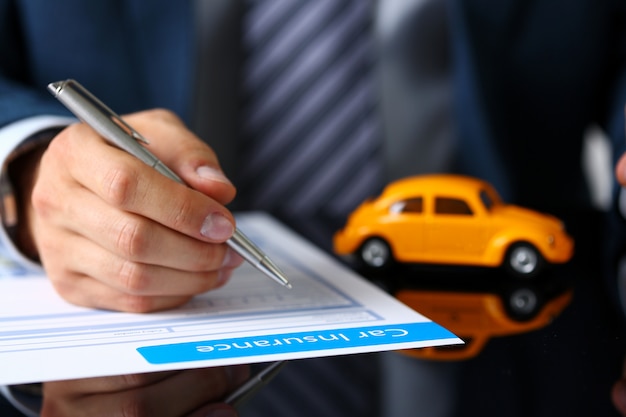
x=115, y=118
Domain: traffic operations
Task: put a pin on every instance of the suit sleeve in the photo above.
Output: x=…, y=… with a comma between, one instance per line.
x=25, y=108
x=16, y=138
x=19, y=98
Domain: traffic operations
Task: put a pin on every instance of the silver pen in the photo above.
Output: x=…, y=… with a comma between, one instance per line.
x=111, y=127
x=255, y=383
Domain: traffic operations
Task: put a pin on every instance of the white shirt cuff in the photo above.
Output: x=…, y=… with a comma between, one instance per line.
x=11, y=137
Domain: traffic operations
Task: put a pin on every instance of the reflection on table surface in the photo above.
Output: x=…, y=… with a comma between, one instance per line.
x=477, y=317
x=476, y=304
x=554, y=349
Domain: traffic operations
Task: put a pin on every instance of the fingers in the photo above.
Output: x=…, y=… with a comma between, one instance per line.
x=151, y=268
x=98, y=279
x=121, y=181
x=93, y=261
x=166, y=394
x=114, y=233
x=194, y=161
x=84, y=291
x=134, y=238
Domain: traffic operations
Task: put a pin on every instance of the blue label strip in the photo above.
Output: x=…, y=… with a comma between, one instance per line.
x=294, y=342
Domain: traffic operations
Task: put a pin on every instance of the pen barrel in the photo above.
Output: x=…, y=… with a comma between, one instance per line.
x=244, y=246
x=105, y=122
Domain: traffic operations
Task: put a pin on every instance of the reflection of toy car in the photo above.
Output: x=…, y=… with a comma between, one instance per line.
x=451, y=220
x=477, y=317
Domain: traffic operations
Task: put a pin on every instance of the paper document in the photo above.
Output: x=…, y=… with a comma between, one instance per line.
x=329, y=311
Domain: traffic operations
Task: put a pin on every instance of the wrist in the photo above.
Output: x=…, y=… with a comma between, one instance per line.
x=17, y=183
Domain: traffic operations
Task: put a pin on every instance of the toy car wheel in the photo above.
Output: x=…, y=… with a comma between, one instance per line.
x=523, y=303
x=523, y=260
x=375, y=253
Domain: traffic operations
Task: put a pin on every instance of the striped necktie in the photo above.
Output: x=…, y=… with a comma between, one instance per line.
x=311, y=138
x=310, y=154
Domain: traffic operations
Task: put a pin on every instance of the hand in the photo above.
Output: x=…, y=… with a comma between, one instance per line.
x=190, y=393
x=113, y=233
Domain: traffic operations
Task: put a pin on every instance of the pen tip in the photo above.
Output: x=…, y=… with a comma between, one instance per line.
x=274, y=272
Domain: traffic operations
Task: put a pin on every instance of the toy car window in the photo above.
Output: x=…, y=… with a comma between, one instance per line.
x=486, y=199
x=411, y=205
x=446, y=205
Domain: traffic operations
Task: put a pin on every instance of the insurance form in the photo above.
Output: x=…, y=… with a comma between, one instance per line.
x=329, y=311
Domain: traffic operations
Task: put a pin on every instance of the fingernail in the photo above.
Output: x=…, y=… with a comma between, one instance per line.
x=232, y=259
x=211, y=173
x=217, y=227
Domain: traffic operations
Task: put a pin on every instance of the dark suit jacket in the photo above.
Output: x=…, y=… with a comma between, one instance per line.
x=528, y=77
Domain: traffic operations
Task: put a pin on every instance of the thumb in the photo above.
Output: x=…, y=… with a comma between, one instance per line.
x=183, y=152
x=204, y=174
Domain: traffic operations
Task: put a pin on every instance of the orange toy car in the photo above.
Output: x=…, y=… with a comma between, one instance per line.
x=451, y=220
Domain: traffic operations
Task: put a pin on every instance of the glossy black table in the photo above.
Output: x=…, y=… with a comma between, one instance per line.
x=565, y=367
